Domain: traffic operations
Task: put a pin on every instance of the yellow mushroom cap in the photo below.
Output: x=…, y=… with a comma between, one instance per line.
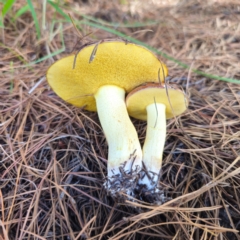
x=125, y=65
x=138, y=100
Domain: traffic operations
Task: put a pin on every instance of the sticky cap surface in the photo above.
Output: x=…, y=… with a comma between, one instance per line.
x=138, y=100
x=126, y=65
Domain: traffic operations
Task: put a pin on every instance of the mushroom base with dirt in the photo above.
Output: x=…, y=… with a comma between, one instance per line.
x=148, y=185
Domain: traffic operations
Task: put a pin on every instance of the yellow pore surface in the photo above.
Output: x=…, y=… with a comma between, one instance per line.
x=115, y=63
x=139, y=100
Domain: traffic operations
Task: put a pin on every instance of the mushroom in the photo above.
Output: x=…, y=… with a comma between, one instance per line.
x=155, y=103
x=103, y=73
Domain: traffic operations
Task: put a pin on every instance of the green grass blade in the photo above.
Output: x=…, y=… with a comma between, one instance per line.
x=57, y=52
x=21, y=11
x=120, y=25
x=59, y=10
x=34, y=15
x=181, y=64
x=6, y=7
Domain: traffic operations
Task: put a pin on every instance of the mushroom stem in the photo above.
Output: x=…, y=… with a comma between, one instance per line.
x=124, y=149
x=154, y=144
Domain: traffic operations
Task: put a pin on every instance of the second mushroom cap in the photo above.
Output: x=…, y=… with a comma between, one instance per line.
x=138, y=99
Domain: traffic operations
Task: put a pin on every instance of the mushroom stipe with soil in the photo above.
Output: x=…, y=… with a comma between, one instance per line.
x=100, y=85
